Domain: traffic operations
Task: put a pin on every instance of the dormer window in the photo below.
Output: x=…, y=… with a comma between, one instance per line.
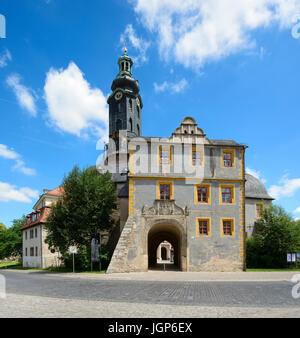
x=32, y=217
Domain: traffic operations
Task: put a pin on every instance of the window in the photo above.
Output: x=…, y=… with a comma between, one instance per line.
x=165, y=191
x=35, y=232
x=25, y=234
x=36, y=250
x=165, y=155
x=33, y=217
x=259, y=209
x=228, y=158
x=130, y=124
x=227, y=227
x=120, y=110
x=130, y=105
x=26, y=252
x=31, y=234
x=202, y=194
x=138, y=129
x=203, y=227
x=32, y=251
x=38, y=215
x=196, y=156
x=138, y=111
x=227, y=194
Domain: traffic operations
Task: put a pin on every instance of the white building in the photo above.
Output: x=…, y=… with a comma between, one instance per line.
x=36, y=253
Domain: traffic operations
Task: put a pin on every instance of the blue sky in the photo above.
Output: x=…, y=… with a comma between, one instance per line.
x=233, y=66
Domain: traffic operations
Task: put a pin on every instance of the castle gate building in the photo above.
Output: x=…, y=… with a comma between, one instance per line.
x=185, y=189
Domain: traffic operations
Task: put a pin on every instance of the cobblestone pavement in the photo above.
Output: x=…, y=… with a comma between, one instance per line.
x=38, y=294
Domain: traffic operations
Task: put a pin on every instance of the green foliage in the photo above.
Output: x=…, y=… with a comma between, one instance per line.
x=83, y=259
x=85, y=210
x=2, y=226
x=11, y=239
x=276, y=234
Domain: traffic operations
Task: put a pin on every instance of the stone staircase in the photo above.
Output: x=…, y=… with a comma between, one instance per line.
x=120, y=259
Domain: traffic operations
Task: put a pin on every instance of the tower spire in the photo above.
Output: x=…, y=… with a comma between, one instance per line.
x=125, y=49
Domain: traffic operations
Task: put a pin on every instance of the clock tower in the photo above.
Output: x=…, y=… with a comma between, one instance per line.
x=125, y=103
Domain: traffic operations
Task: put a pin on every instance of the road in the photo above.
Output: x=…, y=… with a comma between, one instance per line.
x=39, y=294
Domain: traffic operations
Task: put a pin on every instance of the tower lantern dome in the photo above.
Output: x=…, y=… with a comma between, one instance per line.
x=125, y=64
x=125, y=102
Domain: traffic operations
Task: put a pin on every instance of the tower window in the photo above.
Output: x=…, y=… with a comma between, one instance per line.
x=130, y=124
x=130, y=104
x=138, y=129
x=138, y=111
x=119, y=107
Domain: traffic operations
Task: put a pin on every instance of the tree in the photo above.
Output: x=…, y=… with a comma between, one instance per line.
x=84, y=210
x=11, y=239
x=2, y=226
x=276, y=234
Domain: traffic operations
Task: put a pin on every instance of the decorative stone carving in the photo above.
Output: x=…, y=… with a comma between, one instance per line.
x=164, y=207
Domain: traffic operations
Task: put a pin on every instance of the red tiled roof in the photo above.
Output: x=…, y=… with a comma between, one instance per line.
x=57, y=191
x=44, y=212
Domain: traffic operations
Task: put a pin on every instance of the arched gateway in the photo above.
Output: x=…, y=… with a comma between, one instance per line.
x=142, y=234
x=158, y=234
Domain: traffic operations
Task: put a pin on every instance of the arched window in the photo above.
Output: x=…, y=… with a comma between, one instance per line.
x=119, y=107
x=138, y=129
x=126, y=66
x=130, y=124
x=130, y=104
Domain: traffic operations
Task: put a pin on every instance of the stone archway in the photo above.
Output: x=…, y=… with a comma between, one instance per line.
x=171, y=233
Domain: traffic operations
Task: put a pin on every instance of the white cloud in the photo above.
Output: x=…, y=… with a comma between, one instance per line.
x=140, y=45
x=26, y=96
x=9, y=192
x=256, y=174
x=297, y=211
x=12, y=155
x=20, y=166
x=73, y=105
x=4, y=58
x=195, y=32
x=174, y=87
x=286, y=188
x=8, y=153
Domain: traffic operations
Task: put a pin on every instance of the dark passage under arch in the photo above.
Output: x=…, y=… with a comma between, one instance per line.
x=157, y=235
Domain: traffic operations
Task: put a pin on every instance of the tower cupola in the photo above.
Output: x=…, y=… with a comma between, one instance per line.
x=125, y=102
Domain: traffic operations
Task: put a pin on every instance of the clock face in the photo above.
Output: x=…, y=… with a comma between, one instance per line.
x=118, y=96
x=138, y=102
